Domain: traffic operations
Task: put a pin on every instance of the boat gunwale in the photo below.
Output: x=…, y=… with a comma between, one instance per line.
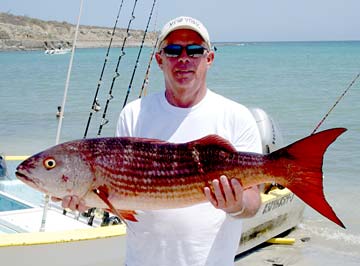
x=65, y=236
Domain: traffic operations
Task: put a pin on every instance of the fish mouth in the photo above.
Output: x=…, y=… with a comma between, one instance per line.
x=24, y=177
x=32, y=182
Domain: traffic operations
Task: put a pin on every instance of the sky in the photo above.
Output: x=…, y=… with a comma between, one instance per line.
x=226, y=20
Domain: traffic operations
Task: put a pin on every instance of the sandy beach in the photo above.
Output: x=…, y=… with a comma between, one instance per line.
x=322, y=247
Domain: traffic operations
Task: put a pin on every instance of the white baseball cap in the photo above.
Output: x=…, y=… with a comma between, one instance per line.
x=184, y=23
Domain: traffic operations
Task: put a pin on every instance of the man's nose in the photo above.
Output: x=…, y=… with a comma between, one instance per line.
x=183, y=56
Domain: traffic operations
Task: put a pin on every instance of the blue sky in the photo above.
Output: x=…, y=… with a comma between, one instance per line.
x=226, y=20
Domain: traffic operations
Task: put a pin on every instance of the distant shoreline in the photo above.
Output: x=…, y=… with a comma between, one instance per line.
x=20, y=46
x=22, y=33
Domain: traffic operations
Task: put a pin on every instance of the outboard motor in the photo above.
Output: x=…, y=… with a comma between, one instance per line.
x=271, y=137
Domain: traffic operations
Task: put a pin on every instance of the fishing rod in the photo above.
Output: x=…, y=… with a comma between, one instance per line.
x=67, y=82
x=138, y=56
x=117, y=74
x=146, y=78
x=336, y=103
x=94, y=106
x=147, y=73
x=91, y=212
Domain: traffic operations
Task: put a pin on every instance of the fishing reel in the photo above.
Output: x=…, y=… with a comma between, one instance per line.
x=110, y=220
x=105, y=217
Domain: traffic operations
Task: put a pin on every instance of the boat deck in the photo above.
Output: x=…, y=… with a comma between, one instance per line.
x=29, y=220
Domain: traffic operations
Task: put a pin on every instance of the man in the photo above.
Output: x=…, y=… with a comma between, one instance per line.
x=208, y=233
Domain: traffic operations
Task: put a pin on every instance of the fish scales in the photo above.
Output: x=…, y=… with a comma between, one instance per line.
x=176, y=175
x=181, y=173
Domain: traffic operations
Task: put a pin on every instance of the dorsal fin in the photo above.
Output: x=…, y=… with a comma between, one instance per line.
x=214, y=140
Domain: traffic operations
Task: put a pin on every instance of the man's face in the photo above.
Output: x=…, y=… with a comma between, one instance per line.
x=184, y=73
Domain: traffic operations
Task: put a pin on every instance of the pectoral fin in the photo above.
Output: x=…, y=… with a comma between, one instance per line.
x=128, y=215
x=103, y=194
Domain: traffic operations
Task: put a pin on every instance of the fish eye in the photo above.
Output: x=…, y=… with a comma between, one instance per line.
x=49, y=163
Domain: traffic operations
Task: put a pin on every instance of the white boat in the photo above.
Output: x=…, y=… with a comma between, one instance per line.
x=67, y=241
x=71, y=242
x=280, y=211
x=57, y=51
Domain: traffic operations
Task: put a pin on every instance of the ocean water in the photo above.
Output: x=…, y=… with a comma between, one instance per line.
x=295, y=82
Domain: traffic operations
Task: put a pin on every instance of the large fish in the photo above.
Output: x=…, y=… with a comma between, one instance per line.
x=141, y=174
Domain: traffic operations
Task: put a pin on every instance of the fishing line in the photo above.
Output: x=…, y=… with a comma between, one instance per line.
x=94, y=103
x=336, y=103
x=139, y=53
x=104, y=121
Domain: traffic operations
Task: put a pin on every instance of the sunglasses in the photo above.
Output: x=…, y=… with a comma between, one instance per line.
x=192, y=50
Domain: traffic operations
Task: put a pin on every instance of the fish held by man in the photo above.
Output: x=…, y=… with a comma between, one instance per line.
x=127, y=173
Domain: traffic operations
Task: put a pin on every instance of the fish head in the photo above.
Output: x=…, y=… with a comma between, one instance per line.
x=58, y=171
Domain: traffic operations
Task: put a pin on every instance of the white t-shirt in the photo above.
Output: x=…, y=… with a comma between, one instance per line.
x=201, y=234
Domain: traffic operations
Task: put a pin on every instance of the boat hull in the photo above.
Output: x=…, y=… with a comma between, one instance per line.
x=280, y=211
x=83, y=247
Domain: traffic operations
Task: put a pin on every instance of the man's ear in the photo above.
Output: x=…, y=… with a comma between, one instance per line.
x=159, y=60
x=210, y=58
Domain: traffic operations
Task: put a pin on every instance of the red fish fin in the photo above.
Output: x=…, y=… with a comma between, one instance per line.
x=103, y=194
x=306, y=176
x=214, y=140
x=128, y=215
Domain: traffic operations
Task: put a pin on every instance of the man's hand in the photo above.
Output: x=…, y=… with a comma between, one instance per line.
x=230, y=196
x=72, y=202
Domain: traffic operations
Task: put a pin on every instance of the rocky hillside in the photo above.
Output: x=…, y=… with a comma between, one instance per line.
x=25, y=33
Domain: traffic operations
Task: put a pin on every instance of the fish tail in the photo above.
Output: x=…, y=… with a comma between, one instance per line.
x=306, y=176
